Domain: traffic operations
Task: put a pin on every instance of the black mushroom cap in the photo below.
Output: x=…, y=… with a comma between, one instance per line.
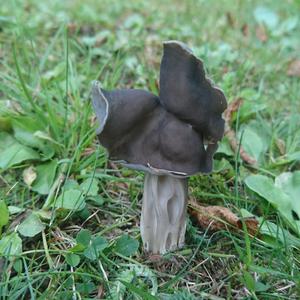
x=164, y=135
x=188, y=94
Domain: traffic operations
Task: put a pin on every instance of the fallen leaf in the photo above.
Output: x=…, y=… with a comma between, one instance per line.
x=88, y=151
x=245, y=30
x=29, y=175
x=251, y=223
x=155, y=258
x=218, y=218
x=261, y=33
x=100, y=292
x=72, y=28
x=294, y=68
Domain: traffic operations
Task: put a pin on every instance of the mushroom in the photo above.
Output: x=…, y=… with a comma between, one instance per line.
x=170, y=137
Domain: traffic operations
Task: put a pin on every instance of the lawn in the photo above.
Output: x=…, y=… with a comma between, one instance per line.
x=69, y=218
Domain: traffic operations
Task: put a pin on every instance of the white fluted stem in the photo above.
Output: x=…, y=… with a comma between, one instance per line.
x=163, y=220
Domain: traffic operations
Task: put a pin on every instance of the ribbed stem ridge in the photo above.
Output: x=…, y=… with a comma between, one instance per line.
x=163, y=220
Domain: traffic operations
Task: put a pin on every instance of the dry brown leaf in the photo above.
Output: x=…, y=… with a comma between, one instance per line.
x=72, y=27
x=294, y=68
x=230, y=134
x=29, y=175
x=281, y=146
x=88, y=151
x=218, y=218
x=154, y=257
x=251, y=224
x=245, y=30
x=225, y=70
x=261, y=33
x=100, y=292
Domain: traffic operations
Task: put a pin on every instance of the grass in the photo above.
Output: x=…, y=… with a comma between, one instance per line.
x=51, y=248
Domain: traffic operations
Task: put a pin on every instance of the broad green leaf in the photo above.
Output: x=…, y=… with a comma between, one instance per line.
x=42, y=135
x=266, y=16
x=18, y=265
x=31, y=226
x=15, y=209
x=70, y=199
x=261, y=287
x=84, y=213
x=97, y=245
x=97, y=200
x=84, y=237
x=293, y=156
x=4, y=214
x=25, y=129
x=224, y=147
x=45, y=177
x=267, y=228
x=126, y=245
x=278, y=233
x=252, y=143
x=118, y=289
x=145, y=295
x=44, y=214
x=86, y=288
x=221, y=165
x=77, y=248
x=71, y=184
x=90, y=186
x=11, y=245
x=288, y=206
x=290, y=183
x=254, y=140
x=253, y=102
x=264, y=186
x=72, y=259
x=5, y=124
x=287, y=25
x=12, y=152
x=249, y=281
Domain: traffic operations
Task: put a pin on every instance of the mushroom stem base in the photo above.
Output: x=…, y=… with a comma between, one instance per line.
x=163, y=220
